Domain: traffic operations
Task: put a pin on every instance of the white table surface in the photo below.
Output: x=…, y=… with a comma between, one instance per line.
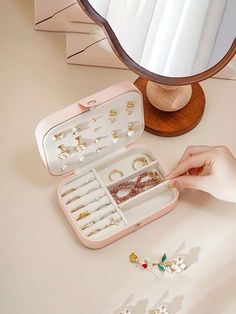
x=44, y=268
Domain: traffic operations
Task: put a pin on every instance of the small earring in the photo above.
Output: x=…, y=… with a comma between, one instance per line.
x=130, y=107
x=75, y=130
x=58, y=136
x=125, y=311
x=163, y=309
x=112, y=116
x=80, y=144
x=98, y=150
x=114, y=136
x=130, y=129
x=64, y=152
x=175, y=266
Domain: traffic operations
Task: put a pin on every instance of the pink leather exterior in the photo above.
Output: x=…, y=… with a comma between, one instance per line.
x=131, y=228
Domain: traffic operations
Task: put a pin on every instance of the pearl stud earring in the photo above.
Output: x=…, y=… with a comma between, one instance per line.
x=130, y=107
x=114, y=136
x=80, y=144
x=130, y=129
x=112, y=116
x=75, y=130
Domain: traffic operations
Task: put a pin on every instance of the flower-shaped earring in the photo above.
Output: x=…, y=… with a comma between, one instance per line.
x=80, y=144
x=175, y=266
x=125, y=311
x=57, y=137
x=160, y=310
x=64, y=152
x=178, y=265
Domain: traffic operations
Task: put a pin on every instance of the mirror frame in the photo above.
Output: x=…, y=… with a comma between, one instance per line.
x=132, y=65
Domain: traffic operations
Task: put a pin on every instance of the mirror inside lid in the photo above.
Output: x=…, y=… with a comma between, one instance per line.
x=108, y=121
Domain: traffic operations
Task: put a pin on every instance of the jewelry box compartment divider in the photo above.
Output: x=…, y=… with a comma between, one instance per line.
x=147, y=202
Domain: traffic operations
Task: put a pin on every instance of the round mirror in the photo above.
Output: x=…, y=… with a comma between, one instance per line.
x=169, y=41
x=172, y=45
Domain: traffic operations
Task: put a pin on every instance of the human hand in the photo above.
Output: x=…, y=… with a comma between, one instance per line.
x=208, y=168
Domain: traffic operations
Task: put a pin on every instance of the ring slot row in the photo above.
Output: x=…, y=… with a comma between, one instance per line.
x=90, y=205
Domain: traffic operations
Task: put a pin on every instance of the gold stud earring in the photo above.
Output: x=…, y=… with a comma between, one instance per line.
x=130, y=107
x=114, y=136
x=64, y=152
x=97, y=139
x=130, y=129
x=112, y=116
x=80, y=144
x=57, y=137
x=75, y=130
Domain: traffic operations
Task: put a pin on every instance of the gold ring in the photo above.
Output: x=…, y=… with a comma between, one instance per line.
x=143, y=160
x=88, y=225
x=68, y=192
x=72, y=200
x=115, y=171
x=94, y=231
x=83, y=215
x=77, y=208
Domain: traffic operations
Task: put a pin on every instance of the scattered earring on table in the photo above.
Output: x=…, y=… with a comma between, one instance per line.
x=143, y=263
x=126, y=311
x=163, y=309
x=175, y=266
x=130, y=107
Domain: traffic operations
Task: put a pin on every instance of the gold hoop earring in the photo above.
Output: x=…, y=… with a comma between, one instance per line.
x=117, y=171
x=142, y=160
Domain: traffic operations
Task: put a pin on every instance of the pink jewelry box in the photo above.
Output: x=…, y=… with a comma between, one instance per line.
x=92, y=143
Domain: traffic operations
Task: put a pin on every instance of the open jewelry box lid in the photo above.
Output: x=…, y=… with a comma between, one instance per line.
x=92, y=116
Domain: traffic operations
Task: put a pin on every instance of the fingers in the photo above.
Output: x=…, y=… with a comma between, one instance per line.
x=193, y=150
x=190, y=182
x=195, y=161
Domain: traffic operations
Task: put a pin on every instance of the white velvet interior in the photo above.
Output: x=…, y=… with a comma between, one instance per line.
x=170, y=37
x=89, y=133
x=101, y=204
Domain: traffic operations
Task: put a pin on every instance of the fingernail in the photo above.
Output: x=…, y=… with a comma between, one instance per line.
x=173, y=184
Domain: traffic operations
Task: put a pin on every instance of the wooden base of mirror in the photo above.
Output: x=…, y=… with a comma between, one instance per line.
x=173, y=123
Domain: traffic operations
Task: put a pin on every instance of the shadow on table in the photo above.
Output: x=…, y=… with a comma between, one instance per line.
x=174, y=306
x=217, y=299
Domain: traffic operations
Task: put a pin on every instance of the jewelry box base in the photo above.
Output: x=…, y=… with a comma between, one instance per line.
x=96, y=232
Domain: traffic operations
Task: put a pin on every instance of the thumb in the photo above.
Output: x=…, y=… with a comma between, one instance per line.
x=188, y=182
